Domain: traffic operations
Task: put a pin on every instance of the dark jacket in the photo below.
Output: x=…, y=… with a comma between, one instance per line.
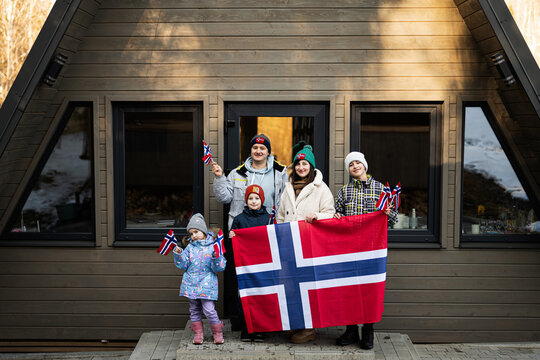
x=250, y=218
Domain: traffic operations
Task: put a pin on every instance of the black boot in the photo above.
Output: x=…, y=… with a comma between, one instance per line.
x=367, y=337
x=350, y=336
x=245, y=336
x=258, y=337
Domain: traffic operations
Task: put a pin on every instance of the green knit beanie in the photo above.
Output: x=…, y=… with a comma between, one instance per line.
x=305, y=154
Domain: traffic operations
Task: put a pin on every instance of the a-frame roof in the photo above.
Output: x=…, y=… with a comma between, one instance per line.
x=489, y=21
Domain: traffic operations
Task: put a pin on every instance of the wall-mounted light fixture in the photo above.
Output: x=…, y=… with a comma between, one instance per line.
x=54, y=69
x=503, y=68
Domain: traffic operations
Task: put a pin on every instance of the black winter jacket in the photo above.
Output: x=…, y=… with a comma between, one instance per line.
x=251, y=218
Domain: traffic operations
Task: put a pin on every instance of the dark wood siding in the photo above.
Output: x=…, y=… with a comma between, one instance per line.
x=216, y=51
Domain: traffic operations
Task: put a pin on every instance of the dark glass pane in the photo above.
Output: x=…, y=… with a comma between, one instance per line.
x=158, y=169
x=283, y=133
x=397, y=148
x=62, y=198
x=494, y=201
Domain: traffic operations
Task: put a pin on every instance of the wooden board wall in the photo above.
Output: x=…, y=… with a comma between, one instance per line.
x=217, y=51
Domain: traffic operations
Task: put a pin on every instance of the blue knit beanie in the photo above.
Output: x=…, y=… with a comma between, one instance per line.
x=261, y=139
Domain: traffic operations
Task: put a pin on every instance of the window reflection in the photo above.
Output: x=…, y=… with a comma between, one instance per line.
x=61, y=200
x=494, y=201
x=158, y=169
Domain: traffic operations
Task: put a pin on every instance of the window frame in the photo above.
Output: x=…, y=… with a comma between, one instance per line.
x=494, y=240
x=151, y=237
x=430, y=237
x=81, y=239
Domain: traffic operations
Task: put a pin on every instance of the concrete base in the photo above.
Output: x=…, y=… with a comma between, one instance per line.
x=275, y=346
x=177, y=344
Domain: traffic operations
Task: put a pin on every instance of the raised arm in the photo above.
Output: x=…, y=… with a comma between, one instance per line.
x=223, y=186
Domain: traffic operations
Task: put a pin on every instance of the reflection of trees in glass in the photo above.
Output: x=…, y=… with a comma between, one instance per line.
x=485, y=197
x=493, y=197
x=483, y=153
x=487, y=203
x=62, y=193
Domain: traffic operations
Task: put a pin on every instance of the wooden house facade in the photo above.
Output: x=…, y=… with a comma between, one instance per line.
x=130, y=88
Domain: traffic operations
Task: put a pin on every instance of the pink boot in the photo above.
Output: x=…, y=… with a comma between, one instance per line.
x=197, y=328
x=217, y=330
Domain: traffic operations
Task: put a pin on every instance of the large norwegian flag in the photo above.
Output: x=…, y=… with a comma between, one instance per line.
x=300, y=276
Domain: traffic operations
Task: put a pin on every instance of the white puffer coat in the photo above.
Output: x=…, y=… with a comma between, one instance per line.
x=315, y=198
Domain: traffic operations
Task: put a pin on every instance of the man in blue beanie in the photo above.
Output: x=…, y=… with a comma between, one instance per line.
x=259, y=169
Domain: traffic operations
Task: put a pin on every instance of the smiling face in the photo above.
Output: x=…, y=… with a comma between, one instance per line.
x=196, y=234
x=357, y=170
x=302, y=168
x=254, y=202
x=259, y=153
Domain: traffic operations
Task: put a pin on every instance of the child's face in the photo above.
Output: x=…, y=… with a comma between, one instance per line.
x=254, y=202
x=196, y=234
x=302, y=168
x=357, y=170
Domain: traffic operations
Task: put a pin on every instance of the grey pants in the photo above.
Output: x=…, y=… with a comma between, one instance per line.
x=199, y=306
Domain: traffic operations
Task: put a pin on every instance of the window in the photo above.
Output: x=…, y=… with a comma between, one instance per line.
x=495, y=204
x=157, y=167
x=58, y=205
x=401, y=143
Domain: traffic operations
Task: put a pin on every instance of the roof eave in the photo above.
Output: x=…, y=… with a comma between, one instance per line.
x=515, y=47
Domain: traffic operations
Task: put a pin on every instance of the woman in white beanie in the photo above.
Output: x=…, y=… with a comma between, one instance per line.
x=359, y=196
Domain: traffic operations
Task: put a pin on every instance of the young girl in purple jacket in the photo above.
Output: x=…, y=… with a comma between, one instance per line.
x=199, y=282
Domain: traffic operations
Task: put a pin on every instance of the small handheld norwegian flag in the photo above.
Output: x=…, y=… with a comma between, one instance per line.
x=207, y=158
x=273, y=219
x=396, y=196
x=219, y=246
x=385, y=198
x=388, y=193
x=168, y=243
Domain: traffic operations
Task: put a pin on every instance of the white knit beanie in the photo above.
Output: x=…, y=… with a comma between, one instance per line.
x=355, y=155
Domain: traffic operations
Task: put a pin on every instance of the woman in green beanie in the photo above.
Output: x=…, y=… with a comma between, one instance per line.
x=306, y=197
